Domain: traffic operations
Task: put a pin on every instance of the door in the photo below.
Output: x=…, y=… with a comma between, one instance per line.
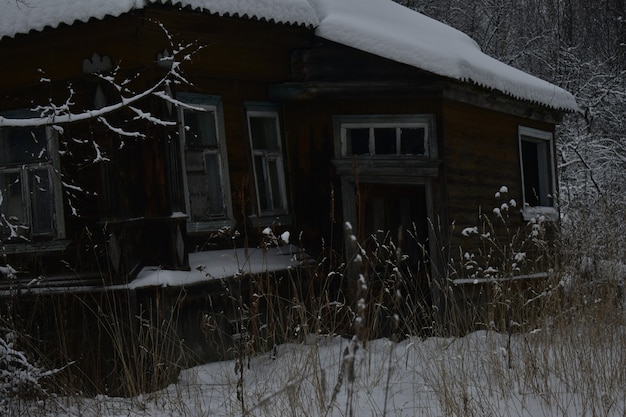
x=393, y=228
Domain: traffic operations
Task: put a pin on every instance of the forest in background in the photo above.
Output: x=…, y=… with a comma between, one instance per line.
x=580, y=46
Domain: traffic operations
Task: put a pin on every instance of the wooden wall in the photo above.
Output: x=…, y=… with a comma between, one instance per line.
x=317, y=198
x=481, y=151
x=234, y=58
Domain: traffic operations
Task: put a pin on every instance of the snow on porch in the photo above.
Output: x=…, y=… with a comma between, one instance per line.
x=219, y=264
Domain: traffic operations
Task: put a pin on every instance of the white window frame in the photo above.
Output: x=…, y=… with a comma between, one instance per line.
x=277, y=209
x=396, y=121
x=212, y=105
x=25, y=170
x=547, y=174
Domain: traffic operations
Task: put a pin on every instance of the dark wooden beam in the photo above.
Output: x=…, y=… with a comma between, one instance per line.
x=310, y=90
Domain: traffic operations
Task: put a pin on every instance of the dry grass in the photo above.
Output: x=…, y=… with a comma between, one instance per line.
x=558, y=351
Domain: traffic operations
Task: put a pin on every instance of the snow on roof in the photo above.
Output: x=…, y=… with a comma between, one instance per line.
x=23, y=16
x=387, y=29
x=218, y=264
x=380, y=27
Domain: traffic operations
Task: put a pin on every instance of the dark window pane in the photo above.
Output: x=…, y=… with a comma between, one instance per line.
x=198, y=198
x=412, y=141
x=206, y=196
x=214, y=181
x=276, y=189
x=42, y=202
x=264, y=197
x=385, y=141
x=12, y=206
x=22, y=145
x=264, y=133
x=200, y=129
x=358, y=141
x=536, y=178
x=194, y=161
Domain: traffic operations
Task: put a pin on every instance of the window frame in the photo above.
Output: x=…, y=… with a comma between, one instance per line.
x=27, y=172
x=397, y=121
x=277, y=212
x=212, y=104
x=546, y=168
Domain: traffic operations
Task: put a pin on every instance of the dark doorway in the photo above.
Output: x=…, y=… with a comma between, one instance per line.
x=393, y=228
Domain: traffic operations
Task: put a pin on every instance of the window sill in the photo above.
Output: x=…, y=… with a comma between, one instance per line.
x=208, y=226
x=549, y=213
x=271, y=220
x=29, y=247
x=477, y=281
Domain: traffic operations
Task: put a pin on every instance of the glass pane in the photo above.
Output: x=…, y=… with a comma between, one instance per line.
x=11, y=202
x=264, y=133
x=206, y=198
x=358, y=141
x=412, y=141
x=214, y=181
x=194, y=161
x=200, y=129
x=385, y=140
x=263, y=195
x=42, y=202
x=537, y=190
x=22, y=145
x=275, y=173
x=198, y=198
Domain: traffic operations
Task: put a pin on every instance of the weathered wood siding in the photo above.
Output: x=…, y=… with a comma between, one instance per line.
x=481, y=154
x=316, y=198
x=236, y=59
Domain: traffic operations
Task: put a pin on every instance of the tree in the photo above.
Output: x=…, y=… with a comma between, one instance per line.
x=123, y=107
x=582, y=49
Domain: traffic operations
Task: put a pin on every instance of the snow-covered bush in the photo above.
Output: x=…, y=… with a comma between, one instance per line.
x=18, y=376
x=494, y=249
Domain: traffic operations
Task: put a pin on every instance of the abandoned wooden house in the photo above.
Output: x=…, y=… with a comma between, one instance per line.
x=153, y=145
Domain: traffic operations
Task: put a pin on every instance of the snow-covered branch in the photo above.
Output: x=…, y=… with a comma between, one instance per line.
x=51, y=114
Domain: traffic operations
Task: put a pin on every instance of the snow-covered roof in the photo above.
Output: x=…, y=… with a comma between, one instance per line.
x=387, y=29
x=18, y=16
x=380, y=27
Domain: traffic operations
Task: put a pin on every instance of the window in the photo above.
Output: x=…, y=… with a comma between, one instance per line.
x=538, y=176
x=207, y=184
x=30, y=194
x=267, y=161
x=387, y=135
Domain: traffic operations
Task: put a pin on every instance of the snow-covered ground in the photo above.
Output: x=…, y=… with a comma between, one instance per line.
x=578, y=372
